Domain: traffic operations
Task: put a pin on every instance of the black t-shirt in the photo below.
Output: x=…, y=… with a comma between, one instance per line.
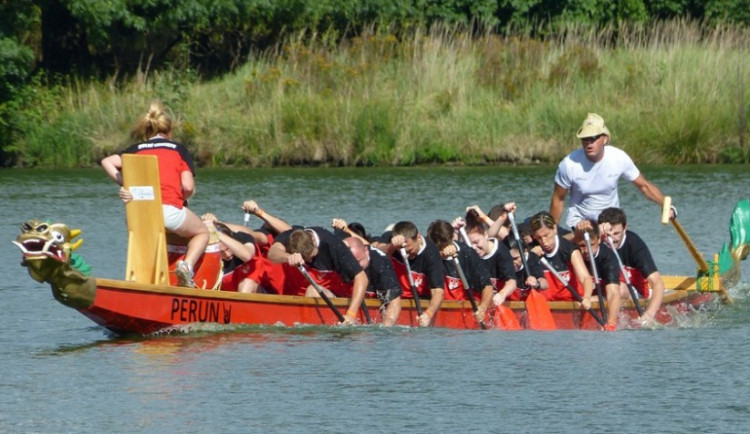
x=333, y=253
x=230, y=265
x=634, y=253
x=560, y=259
x=606, y=265
x=380, y=273
x=472, y=265
x=499, y=262
x=536, y=269
x=427, y=262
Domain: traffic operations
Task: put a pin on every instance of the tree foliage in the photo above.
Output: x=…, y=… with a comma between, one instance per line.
x=120, y=38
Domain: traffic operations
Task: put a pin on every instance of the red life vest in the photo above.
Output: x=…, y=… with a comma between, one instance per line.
x=639, y=282
x=557, y=291
x=420, y=280
x=296, y=284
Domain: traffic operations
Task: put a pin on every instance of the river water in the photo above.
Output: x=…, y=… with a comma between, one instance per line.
x=61, y=373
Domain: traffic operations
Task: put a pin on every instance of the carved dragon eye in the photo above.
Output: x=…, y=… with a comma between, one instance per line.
x=60, y=238
x=26, y=227
x=42, y=228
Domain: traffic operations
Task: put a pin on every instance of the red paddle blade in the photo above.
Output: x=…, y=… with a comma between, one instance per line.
x=506, y=319
x=539, y=314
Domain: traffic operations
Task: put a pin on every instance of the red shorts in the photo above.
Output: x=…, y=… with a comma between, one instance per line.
x=296, y=284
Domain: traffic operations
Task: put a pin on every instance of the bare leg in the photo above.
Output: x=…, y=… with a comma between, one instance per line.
x=194, y=229
x=248, y=286
x=392, y=311
x=313, y=293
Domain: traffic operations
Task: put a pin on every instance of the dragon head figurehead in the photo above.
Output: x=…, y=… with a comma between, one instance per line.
x=48, y=255
x=39, y=240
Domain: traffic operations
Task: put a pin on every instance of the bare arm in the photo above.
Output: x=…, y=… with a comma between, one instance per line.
x=486, y=299
x=244, y=252
x=278, y=225
x=437, y=299
x=583, y=276
x=649, y=190
x=278, y=254
x=657, y=295
x=557, y=202
x=188, y=184
x=113, y=166
x=359, y=286
x=259, y=237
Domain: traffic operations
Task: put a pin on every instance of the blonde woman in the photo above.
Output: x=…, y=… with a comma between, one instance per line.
x=154, y=135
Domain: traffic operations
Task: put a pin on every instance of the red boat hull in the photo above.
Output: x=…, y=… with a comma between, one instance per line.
x=131, y=308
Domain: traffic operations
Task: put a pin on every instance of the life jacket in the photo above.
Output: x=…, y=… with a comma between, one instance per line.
x=639, y=282
x=557, y=291
x=295, y=282
x=252, y=269
x=420, y=280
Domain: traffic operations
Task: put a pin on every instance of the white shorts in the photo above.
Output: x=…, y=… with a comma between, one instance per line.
x=173, y=216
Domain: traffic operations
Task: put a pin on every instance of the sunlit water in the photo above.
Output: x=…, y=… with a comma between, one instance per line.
x=61, y=373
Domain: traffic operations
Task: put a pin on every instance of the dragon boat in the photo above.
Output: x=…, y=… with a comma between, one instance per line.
x=148, y=301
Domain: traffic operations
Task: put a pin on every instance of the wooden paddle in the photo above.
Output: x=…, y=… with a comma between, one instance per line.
x=597, y=285
x=572, y=290
x=322, y=293
x=414, y=291
x=631, y=289
x=537, y=308
x=468, y=290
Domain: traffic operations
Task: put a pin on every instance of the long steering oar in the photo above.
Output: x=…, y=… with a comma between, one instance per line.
x=631, y=288
x=597, y=285
x=322, y=293
x=572, y=291
x=540, y=315
x=699, y=259
x=414, y=290
x=468, y=290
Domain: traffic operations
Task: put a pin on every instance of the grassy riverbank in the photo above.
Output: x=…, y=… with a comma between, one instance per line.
x=671, y=93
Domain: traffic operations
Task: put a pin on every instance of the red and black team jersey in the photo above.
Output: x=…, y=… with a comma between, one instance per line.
x=473, y=267
x=535, y=269
x=235, y=270
x=606, y=266
x=426, y=269
x=334, y=267
x=173, y=159
x=638, y=262
x=499, y=264
x=381, y=275
x=560, y=261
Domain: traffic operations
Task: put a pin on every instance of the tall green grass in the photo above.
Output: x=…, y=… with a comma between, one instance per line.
x=674, y=92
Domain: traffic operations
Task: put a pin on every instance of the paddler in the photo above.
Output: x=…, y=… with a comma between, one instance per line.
x=477, y=275
x=565, y=258
x=607, y=268
x=423, y=259
x=328, y=261
x=637, y=259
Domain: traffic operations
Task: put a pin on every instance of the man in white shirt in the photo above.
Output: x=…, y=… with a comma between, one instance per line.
x=591, y=174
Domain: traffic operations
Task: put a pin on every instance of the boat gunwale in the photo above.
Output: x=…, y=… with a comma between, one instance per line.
x=685, y=289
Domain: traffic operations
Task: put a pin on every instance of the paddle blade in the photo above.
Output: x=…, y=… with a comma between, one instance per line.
x=539, y=313
x=506, y=319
